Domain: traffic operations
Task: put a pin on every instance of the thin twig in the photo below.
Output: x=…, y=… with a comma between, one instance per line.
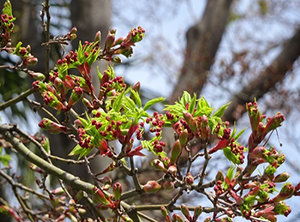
x=17, y=99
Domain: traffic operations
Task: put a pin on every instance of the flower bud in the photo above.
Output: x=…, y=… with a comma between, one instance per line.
x=110, y=40
x=189, y=179
x=177, y=218
x=164, y=211
x=68, y=82
x=197, y=211
x=175, y=152
x=117, y=190
x=73, y=30
x=183, y=137
x=99, y=195
x=172, y=169
x=87, y=103
x=281, y=177
x=282, y=208
x=167, y=185
x=285, y=193
x=119, y=41
x=151, y=186
x=58, y=191
x=73, y=36
x=97, y=37
x=158, y=165
x=75, y=96
x=47, y=124
x=37, y=75
x=185, y=212
x=32, y=61
x=190, y=121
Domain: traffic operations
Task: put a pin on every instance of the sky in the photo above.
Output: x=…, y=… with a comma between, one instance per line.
x=158, y=58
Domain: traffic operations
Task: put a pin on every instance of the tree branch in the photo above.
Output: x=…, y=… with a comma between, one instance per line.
x=203, y=41
x=266, y=80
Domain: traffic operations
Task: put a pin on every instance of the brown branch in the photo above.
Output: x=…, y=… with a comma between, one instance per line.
x=203, y=41
x=266, y=80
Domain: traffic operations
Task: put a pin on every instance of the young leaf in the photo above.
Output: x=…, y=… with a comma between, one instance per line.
x=186, y=98
x=129, y=103
x=221, y=110
x=192, y=104
x=230, y=156
x=239, y=134
x=152, y=102
x=136, y=98
x=230, y=172
x=77, y=150
x=118, y=102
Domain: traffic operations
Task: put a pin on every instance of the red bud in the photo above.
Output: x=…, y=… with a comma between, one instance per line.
x=151, y=186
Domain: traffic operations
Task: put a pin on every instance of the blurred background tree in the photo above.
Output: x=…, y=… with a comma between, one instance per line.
x=226, y=50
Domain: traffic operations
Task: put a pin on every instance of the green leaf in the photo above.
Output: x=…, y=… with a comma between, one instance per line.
x=99, y=74
x=192, y=104
x=46, y=145
x=152, y=102
x=118, y=102
x=7, y=9
x=239, y=134
x=230, y=156
x=85, y=153
x=130, y=104
x=186, y=98
x=230, y=172
x=221, y=110
x=202, y=103
x=76, y=150
x=136, y=98
x=5, y=159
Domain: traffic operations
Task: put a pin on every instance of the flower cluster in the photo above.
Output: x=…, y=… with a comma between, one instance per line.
x=6, y=24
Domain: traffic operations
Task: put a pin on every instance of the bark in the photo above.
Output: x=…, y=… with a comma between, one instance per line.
x=90, y=16
x=266, y=80
x=203, y=40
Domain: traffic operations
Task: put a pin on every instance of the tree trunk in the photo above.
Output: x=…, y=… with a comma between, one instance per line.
x=203, y=40
x=266, y=80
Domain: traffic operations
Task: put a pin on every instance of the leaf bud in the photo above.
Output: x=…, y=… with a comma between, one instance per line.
x=172, y=169
x=189, y=179
x=117, y=190
x=197, y=211
x=97, y=37
x=175, y=152
x=151, y=186
x=186, y=212
x=281, y=177
x=183, y=137
x=158, y=165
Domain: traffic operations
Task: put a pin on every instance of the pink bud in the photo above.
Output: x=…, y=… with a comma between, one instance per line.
x=185, y=212
x=158, y=165
x=197, y=211
x=167, y=185
x=99, y=195
x=281, y=177
x=172, y=169
x=285, y=193
x=189, y=179
x=117, y=190
x=183, y=137
x=176, y=151
x=151, y=186
x=97, y=37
